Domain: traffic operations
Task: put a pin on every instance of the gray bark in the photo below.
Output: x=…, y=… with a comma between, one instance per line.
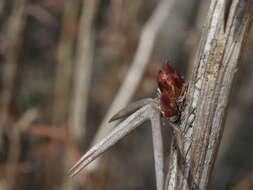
x=193, y=154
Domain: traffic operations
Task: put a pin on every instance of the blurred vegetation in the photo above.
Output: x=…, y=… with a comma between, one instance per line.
x=46, y=46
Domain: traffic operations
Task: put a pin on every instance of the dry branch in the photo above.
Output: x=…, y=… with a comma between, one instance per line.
x=214, y=70
x=65, y=60
x=64, y=70
x=2, y=4
x=14, y=33
x=84, y=59
x=14, y=153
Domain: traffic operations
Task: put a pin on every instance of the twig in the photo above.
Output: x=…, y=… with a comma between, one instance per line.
x=2, y=4
x=14, y=152
x=65, y=61
x=27, y=118
x=41, y=14
x=14, y=33
x=63, y=74
x=14, y=39
x=84, y=59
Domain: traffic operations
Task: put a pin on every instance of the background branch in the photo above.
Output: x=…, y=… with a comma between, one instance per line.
x=82, y=72
x=14, y=38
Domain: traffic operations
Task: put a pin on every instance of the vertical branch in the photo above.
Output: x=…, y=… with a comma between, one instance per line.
x=2, y=3
x=63, y=72
x=214, y=70
x=14, y=33
x=13, y=156
x=65, y=60
x=84, y=58
x=12, y=164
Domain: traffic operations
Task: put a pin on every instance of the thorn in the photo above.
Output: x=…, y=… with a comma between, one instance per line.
x=131, y=108
x=111, y=139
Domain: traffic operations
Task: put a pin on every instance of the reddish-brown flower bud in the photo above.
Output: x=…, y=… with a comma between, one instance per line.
x=168, y=107
x=170, y=81
x=171, y=85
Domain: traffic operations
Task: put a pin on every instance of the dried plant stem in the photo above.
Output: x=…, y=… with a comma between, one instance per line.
x=82, y=72
x=63, y=73
x=14, y=33
x=2, y=3
x=214, y=69
x=65, y=60
x=14, y=151
x=14, y=39
x=41, y=14
x=13, y=156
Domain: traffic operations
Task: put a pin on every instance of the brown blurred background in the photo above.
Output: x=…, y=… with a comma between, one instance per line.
x=62, y=63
